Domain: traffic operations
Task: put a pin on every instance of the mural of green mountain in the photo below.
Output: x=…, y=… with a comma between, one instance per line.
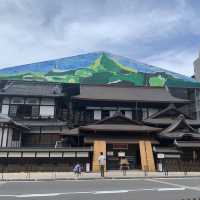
x=97, y=68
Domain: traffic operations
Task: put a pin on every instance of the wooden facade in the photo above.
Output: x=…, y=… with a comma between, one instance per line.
x=116, y=120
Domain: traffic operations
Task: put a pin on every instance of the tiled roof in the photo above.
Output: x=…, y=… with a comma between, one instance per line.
x=179, y=129
x=120, y=127
x=7, y=120
x=126, y=94
x=43, y=123
x=23, y=88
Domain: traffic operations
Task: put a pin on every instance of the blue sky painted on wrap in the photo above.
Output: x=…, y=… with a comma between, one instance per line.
x=162, y=33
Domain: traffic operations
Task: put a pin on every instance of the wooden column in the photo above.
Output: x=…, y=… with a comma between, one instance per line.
x=146, y=155
x=99, y=146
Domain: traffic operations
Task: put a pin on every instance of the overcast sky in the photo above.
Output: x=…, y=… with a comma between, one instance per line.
x=161, y=33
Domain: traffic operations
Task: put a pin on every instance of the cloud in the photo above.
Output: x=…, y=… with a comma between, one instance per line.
x=174, y=60
x=34, y=30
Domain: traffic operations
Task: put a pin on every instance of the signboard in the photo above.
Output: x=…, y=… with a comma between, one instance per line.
x=110, y=153
x=121, y=154
x=120, y=146
x=161, y=155
x=172, y=156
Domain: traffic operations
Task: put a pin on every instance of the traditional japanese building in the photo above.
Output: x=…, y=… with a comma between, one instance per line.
x=51, y=126
x=59, y=112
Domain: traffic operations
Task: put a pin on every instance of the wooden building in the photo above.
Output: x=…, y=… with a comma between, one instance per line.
x=52, y=126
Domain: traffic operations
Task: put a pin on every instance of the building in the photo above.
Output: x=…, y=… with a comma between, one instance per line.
x=56, y=113
x=51, y=126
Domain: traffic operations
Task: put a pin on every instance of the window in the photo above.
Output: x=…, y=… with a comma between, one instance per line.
x=128, y=114
x=105, y=113
x=33, y=101
x=35, y=111
x=152, y=111
x=47, y=101
x=97, y=114
x=15, y=135
x=24, y=111
x=112, y=112
x=145, y=113
x=13, y=111
x=5, y=100
x=5, y=109
x=17, y=100
x=46, y=111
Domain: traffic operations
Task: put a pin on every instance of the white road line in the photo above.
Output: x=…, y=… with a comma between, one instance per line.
x=112, y=192
x=171, y=189
x=175, y=184
x=92, y=192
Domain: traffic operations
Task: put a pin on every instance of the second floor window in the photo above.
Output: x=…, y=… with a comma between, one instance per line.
x=24, y=111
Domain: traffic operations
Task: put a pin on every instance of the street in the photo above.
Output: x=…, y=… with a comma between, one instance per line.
x=127, y=189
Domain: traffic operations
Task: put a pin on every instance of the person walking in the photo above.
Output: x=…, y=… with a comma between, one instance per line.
x=102, y=161
x=124, y=165
x=77, y=170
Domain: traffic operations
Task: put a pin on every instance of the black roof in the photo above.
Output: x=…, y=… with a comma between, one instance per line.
x=165, y=150
x=179, y=129
x=167, y=116
x=49, y=122
x=187, y=143
x=170, y=111
x=118, y=123
x=25, y=88
x=126, y=94
x=4, y=119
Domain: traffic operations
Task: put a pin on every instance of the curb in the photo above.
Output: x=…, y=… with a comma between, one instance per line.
x=96, y=178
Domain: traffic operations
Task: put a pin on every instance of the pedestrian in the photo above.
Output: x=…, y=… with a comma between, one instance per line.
x=77, y=170
x=102, y=161
x=124, y=165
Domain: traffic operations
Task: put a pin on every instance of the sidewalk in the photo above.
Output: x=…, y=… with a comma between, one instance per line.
x=47, y=176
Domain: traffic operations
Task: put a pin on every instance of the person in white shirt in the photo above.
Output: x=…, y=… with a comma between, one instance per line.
x=102, y=161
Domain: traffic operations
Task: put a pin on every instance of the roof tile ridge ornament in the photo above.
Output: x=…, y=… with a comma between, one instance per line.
x=175, y=142
x=176, y=123
x=7, y=85
x=171, y=106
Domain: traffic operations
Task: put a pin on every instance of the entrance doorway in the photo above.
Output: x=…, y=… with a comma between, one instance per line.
x=118, y=150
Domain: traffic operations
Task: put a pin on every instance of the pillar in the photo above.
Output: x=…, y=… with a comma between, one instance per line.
x=99, y=146
x=146, y=155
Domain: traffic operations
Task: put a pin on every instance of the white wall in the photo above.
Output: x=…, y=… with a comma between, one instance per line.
x=112, y=112
x=128, y=114
x=97, y=114
x=0, y=135
x=5, y=135
x=5, y=109
x=10, y=133
x=46, y=111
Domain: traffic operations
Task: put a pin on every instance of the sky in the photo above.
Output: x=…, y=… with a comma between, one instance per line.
x=158, y=32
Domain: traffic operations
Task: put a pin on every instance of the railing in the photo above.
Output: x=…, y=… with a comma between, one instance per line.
x=48, y=149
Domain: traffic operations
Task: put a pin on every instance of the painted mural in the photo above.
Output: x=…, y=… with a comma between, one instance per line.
x=97, y=68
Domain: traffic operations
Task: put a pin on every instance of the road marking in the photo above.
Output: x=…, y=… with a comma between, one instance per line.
x=175, y=184
x=171, y=189
x=112, y=192
x=92, y=192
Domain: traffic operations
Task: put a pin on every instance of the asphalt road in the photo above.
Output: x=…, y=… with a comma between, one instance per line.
x=131, y=189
